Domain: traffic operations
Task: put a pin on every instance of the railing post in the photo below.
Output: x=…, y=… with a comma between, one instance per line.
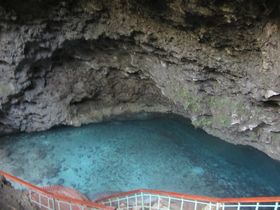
x=49, y=203
x=238, y=206
x=53, y=203
x=49, y=206
x=182, y=204
x=195, y=205
x=30, y=195
x=40, y=200
x=58, y=204
x=217, y=206
x=276, y=206
x=136, y=200
x=142, y=202
x=257, y=206
x=150, y=202
x=169, y=202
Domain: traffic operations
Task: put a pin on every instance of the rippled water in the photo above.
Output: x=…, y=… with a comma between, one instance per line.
x=163, y=152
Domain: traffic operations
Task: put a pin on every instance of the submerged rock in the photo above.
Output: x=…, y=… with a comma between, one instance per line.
x=51, y=172
x=60, y=181
x=4, y=153
x=74, y=62
x=198, y=171
x=18, y=171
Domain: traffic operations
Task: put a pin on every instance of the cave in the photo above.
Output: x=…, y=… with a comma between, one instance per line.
x=71, y=64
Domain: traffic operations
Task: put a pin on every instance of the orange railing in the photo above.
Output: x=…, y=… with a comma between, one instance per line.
x=49, y=200
x=160, y=200
x=143, y=199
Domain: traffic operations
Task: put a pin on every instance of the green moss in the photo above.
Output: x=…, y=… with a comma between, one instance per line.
x=202, y=122
x=91, y=5
x=275, y=137
x=190, y=101
x=222, y=108
x=6, y=89
x=223, y=120
x=253, y=135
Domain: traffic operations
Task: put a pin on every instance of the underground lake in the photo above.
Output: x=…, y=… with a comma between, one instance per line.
x=163, y=152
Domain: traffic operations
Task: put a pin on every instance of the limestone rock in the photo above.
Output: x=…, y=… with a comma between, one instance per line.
x=74, y=62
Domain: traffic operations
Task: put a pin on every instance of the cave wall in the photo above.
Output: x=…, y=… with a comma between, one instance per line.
x=74, y=62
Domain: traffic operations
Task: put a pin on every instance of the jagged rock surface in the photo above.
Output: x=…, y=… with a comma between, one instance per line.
x=12, y=198
x=73, y=62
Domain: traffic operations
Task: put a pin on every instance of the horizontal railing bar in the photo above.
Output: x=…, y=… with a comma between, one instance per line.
x=146, y=195
x=173, y=194
x=165, y=197
x=196, y=197
x=271, y=199
x=234, y=205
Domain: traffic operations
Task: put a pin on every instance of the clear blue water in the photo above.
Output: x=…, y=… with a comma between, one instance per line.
x=163, y=152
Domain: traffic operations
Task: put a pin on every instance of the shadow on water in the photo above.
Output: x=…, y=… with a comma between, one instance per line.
x=140, y=151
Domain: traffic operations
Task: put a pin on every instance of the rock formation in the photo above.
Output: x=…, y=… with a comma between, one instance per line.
x=73, y=62
x=12, y=198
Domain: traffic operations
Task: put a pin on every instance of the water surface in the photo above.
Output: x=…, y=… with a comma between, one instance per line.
x=163, y=152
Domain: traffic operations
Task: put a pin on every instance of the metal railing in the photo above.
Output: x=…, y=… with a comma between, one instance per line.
x=159, y=200
x=141, y=200
x=46, y=200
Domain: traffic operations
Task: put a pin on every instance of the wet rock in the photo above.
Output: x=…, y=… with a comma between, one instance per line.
x=36, y=181
x=41, y=154
x=60, y=181
x=4, y=153
x=18, y=171
x=51, y=172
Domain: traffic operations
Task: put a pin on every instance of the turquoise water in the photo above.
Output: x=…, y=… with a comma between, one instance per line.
x=162, y=152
